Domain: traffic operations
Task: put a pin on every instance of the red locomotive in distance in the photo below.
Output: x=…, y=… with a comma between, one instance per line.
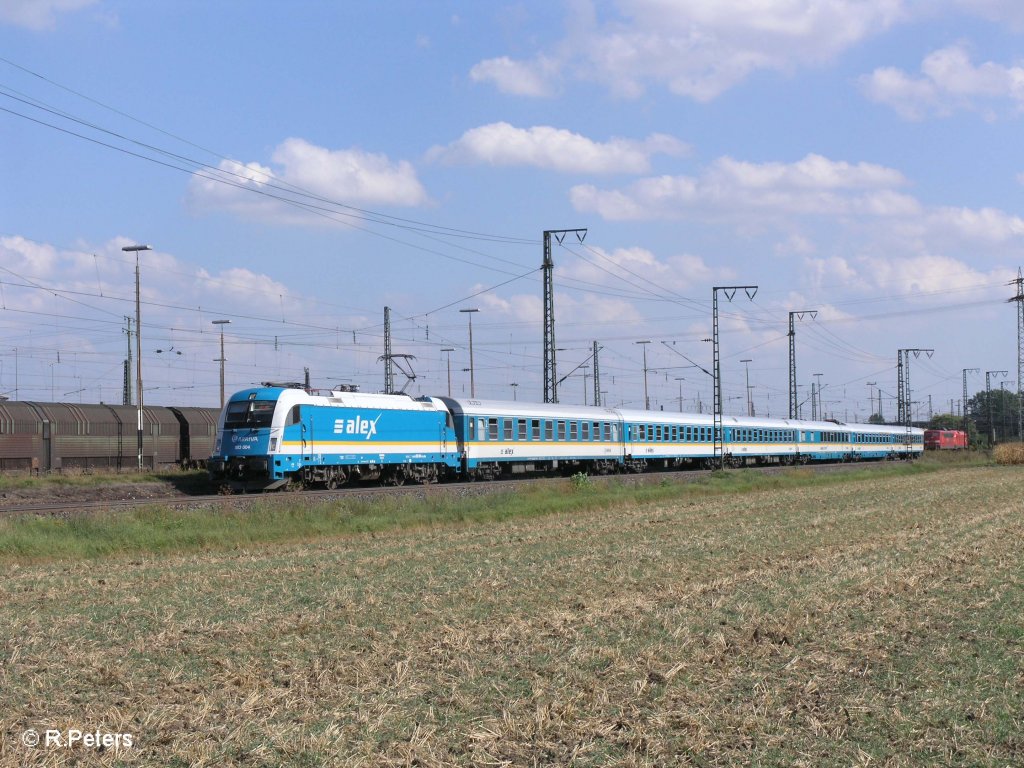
x=945, y=440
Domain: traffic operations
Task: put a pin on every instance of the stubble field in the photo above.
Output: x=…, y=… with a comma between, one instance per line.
x=869, y=622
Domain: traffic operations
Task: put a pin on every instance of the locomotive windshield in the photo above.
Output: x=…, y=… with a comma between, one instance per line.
x=250, y=413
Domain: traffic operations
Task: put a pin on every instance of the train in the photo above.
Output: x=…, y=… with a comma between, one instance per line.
x=945, y=440
x=275, y=436
x=38, y=437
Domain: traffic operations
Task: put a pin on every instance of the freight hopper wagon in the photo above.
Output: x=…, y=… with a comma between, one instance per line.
x=273, y=436
x=52, y=437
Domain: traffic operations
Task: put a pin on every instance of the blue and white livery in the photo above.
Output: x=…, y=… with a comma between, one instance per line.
x=272, y=436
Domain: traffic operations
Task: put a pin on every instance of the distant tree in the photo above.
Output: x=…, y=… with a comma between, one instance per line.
x=945, y=421
x=874, y=418
x=994, y=415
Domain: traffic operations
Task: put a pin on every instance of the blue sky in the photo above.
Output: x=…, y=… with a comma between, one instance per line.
x=299, y=166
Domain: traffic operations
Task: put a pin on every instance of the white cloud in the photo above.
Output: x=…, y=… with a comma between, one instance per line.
x=813, y=172
x=27, y=258
x=695, y=48
x=347, y=176
x=795, y=244
x=982, y=225
x=823, y=274
x=1008, y=12
x=813, y=185
x=554, y=148
x=638, y=270
x=948, y=82
x=923, y=273
x=241, y=284
x=38, y=15
x=518, y=78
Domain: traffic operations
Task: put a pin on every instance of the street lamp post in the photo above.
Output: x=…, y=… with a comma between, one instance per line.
x=647, y=399
x=448, y=351
x=221, y=359
x=514, y=386
x=750, y=402
x=472, y=372
x=138, y=345
x=680, y=379
x=817, y=407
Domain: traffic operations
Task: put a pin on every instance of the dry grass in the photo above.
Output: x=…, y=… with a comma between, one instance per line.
x=1008, y=453
x=869, y=623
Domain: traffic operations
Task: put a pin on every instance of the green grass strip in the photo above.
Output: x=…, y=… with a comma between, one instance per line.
x=160, y=529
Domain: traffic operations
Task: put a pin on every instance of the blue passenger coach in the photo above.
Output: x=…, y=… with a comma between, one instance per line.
x=271, y=436
x=500, y=437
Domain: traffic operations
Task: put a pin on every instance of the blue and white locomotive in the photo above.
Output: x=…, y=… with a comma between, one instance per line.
x=275, y=435
x=272, y=436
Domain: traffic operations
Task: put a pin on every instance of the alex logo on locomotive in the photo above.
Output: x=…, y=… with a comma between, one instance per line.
x=357, y=426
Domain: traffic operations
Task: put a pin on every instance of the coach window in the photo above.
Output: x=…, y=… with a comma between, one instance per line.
x=535, y=429
x=573, y=431
x=507, y=431
x=607, y=432
x=549, y=430
x=585, y=434
x=561, y=430
x=521, y=428
x=597, y=430
x=492, y=429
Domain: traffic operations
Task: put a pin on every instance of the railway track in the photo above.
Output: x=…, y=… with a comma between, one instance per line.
x=75, y=507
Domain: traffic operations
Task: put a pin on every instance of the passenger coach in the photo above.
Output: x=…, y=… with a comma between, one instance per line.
x=499, y=437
